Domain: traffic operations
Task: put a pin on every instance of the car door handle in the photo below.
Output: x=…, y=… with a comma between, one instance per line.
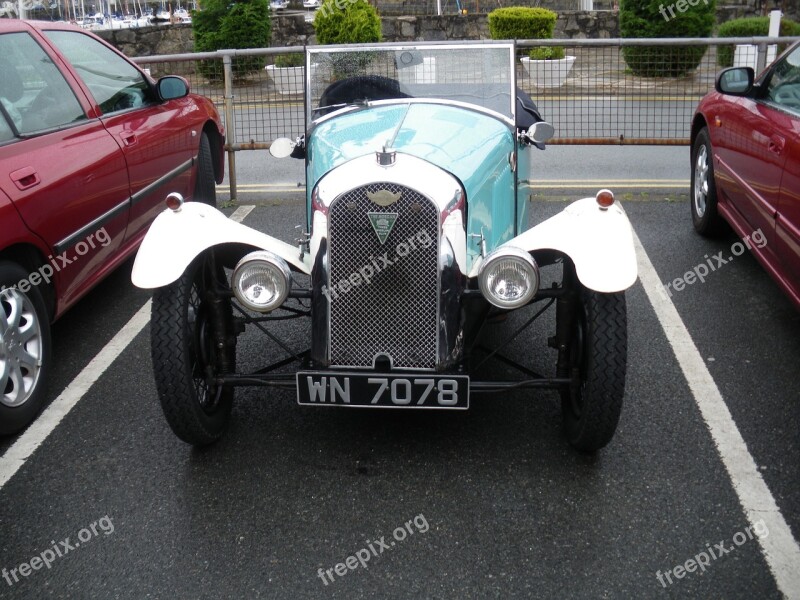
x=128, y=138
x=25, y=178
x=776, y=144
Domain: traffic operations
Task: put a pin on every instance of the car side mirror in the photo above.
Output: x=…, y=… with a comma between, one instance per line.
x=540, y=132
x=736, y=81
x=172, y=87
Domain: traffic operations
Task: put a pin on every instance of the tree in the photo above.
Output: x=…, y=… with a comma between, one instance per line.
x=223, y=24
x=347, y=22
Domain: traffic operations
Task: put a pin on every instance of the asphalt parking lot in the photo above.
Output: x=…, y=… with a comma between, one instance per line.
x=701, y=482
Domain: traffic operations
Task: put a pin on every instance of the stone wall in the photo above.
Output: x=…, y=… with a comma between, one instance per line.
x=736, y=9
x=151, y=41
x=294, y=31
x=399, y=8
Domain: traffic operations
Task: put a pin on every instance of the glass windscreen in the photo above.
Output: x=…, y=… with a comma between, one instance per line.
x=479, y=74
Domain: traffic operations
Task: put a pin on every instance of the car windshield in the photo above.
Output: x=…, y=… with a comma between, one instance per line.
x=481, y=74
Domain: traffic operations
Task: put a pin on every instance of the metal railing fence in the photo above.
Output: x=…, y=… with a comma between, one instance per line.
x=616, y=91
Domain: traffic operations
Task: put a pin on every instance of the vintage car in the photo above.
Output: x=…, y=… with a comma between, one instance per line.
x=418, y=160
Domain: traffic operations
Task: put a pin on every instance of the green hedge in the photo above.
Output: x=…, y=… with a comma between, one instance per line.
x=651, y=19
x=521, y=23
x=347, y=22
x=749, y=27
x=221, y=25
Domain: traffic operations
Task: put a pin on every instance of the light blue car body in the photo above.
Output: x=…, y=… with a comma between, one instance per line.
x=474, y=146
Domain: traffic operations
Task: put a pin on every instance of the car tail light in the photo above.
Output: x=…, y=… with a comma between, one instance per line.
x=174, y=201
x=605, y=198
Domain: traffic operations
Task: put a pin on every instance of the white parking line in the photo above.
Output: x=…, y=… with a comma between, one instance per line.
x=43, y=426
x=240, y=214
x=779, y=547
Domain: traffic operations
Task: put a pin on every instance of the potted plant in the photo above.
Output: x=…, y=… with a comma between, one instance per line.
x=547, y=66
x=288, y=73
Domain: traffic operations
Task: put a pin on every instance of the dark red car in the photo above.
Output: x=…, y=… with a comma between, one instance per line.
x=89, y=147
x=746, y=164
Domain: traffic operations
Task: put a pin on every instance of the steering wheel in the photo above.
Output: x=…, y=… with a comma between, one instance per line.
x=787, y=94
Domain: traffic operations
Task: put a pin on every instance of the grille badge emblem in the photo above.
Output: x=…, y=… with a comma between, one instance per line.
x=382, y=223
x=384, y=198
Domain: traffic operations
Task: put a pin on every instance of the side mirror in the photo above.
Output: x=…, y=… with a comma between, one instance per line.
x=172, y=87
x=736, y=81
x=281, y=147
x=540, y=132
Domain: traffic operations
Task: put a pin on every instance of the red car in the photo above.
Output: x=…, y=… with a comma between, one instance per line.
x=89, y=147
x=746, y=164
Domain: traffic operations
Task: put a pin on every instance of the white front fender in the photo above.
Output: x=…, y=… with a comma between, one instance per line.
x=599, y=242
x=176, y=238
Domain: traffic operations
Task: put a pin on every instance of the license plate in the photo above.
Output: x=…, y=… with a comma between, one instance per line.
x=383, y=391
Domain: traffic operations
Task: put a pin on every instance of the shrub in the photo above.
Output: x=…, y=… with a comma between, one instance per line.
x=547, y=53
x=221, y=25
x=357, y=22
x=521, y=23
x=290, y=60
x=650, y=19
x=348, y=22
x=749, y=27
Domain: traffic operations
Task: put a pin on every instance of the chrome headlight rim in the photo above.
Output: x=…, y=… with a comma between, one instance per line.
x=513, y=253
x=270, y=261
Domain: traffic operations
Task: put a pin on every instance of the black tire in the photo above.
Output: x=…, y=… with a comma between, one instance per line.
x=182, y=334
x=598, y=354
x=703, y=189
x=24, y=349
x=205, y=187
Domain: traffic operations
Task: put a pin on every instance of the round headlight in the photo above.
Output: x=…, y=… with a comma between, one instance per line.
x=509, y=278
x=261, y=281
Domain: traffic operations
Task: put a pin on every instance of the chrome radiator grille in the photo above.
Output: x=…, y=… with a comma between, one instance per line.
x=396, y=312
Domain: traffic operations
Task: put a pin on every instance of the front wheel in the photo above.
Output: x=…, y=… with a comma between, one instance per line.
x=598, y=357
x=191, y=345
x=24, y=349
x=705, y=218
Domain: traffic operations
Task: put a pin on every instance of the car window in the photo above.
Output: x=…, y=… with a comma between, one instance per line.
x=115, y=83
x=783, y=88
x=34, y=93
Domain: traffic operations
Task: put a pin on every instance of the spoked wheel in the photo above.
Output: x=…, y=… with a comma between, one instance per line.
x=705, y=218
x=598, y=356
x=24, y=350
x=192, y=343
